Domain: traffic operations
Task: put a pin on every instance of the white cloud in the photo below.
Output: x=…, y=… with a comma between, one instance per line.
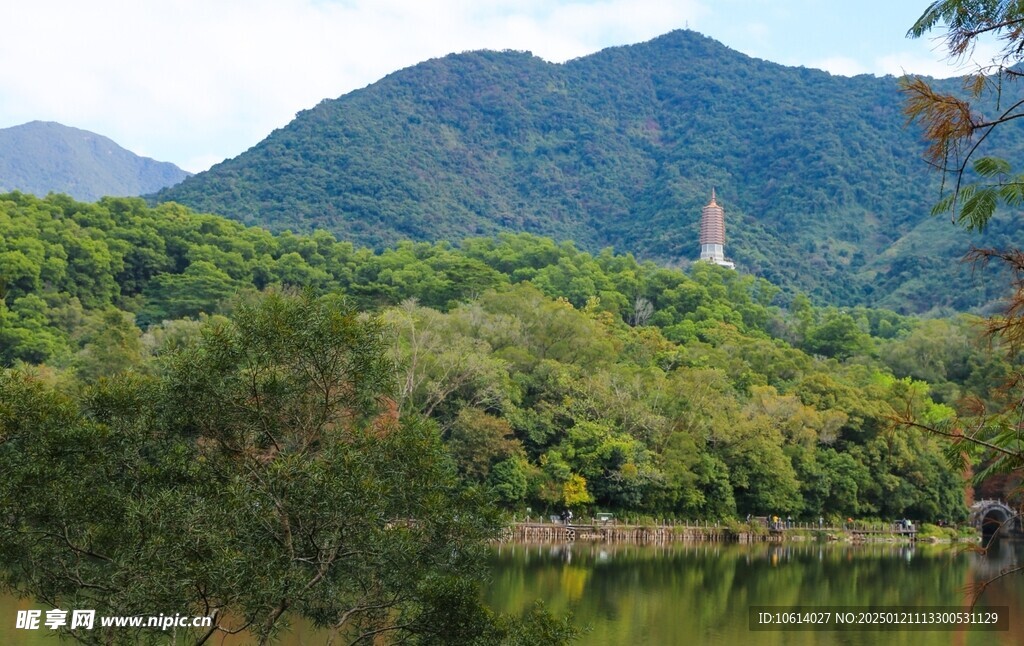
x=198, y=80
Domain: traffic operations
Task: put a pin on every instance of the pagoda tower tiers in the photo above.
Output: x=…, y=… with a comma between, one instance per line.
x=712, y=234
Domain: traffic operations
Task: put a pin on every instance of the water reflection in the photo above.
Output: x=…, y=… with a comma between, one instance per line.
x=700, y=592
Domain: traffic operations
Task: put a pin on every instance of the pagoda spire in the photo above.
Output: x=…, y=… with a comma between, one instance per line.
x=712, y=233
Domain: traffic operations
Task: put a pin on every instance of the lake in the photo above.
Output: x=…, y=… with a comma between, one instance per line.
x=699, y=593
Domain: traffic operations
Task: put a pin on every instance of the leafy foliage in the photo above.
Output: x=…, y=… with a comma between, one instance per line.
x=959, y=131
x=555, y=376
x=257, y=474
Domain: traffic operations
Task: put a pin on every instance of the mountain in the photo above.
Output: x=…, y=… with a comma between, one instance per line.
x=823, y=184
x=43, y=156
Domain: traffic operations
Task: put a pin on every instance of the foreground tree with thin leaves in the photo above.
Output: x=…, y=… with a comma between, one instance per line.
x=261, y=475
x=961, y=131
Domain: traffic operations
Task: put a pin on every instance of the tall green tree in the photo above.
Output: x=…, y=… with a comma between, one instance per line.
x=260, y=474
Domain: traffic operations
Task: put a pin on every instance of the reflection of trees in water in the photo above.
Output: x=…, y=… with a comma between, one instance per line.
x=689, y=593
x=708, y=578
x=1000, y=557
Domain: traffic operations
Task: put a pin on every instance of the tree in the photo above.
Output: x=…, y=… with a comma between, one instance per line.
x=508, y=479
x=960, y=130
x=26, y=333
x=479, y=441
x=442, y=365
x=111, y=344
x=201, y=288
x=260, y=473
x=574, y=491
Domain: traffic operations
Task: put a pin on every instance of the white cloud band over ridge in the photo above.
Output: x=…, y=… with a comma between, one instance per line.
x=196, y=81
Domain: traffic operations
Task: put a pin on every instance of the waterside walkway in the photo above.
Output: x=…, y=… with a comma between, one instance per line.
x=682, y=531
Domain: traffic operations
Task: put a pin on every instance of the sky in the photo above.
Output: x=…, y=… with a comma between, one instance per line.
x=197, y=81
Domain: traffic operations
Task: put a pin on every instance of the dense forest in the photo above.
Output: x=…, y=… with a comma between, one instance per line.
x=822, y=180
x=555, y=377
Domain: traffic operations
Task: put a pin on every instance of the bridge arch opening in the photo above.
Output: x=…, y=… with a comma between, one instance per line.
x=994, y=523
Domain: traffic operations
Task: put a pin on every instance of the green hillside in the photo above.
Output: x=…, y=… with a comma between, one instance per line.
x=821, y=180
x=555, y=376
x=43, y=157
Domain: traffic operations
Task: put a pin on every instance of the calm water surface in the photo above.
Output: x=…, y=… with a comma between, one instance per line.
x=699, y=593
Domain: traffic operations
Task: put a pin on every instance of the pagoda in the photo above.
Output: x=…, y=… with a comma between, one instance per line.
x=712, y=234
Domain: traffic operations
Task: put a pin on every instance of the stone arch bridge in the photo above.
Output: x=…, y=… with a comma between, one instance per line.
x=996, y=517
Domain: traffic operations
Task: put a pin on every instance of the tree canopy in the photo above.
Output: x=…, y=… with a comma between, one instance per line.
x=554, y=375
x=257, y=474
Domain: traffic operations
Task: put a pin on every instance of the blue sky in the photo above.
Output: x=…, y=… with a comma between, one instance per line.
x=197, y=81
x=841, y=37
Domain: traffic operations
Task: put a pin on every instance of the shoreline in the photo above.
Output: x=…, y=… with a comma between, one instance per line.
x=540, y=532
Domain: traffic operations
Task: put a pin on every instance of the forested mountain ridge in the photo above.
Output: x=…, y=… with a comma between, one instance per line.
x=824, y=187
x=41, y=157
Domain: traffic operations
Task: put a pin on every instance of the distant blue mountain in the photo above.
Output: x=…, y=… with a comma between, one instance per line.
x=41, y=157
